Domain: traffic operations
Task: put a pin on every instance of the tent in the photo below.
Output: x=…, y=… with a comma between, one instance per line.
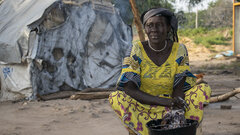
x=48, y=46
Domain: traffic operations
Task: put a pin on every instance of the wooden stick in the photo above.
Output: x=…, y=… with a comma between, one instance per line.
x=91, y=95
x=225, y=96
x=98, y=89
x=137, y=20
x=57, y=95
x=69, y=94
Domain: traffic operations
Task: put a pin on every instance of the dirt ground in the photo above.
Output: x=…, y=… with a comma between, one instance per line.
x=83, y=117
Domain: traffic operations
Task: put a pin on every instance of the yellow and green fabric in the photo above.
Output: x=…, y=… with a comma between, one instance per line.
x=157, y=81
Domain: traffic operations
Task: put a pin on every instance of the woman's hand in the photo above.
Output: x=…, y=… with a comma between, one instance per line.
x=179, y=103
x=178, y=96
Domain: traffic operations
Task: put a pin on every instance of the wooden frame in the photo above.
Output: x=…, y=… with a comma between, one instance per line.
x=137, y=21
x=235, y=4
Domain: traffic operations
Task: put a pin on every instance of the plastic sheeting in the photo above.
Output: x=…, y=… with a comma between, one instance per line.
x=15, y=16
x=15, y=82
x=125, y=10
x=68, y=45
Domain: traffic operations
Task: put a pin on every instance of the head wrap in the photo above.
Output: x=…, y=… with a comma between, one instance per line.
x=163, y=12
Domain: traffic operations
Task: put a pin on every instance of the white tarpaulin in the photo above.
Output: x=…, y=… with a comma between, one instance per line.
x=48, y=46
x=15, y=16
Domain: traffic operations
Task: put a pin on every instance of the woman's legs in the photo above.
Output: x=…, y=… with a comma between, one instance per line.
x=196, y=97
x=133, y=114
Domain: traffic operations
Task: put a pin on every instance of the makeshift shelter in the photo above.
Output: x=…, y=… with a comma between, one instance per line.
x=48, y=46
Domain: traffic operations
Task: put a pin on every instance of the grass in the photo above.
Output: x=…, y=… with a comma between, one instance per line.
x=203, y=36
x=212, y=40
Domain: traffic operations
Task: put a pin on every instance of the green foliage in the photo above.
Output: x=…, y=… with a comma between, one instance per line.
x=194, y=2
x=144, y=5
x=203, y=41
x=218, y=14
x=211, y=40
x=207, y=37
x=231, y=32
x=193, y=32
x=189, y=20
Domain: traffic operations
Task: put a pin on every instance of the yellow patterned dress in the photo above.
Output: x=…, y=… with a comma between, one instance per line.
x=157, y=81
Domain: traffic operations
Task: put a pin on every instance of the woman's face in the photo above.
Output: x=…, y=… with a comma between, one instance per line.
x=157, y=29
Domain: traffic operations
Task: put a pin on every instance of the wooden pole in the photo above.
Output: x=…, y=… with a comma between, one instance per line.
x=236, y=26
x=91, y=95
x=233, y=37
x=137, y=21
x=196, y=22
x=224, y=96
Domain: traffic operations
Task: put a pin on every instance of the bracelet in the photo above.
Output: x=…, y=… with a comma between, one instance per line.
x=172, y=104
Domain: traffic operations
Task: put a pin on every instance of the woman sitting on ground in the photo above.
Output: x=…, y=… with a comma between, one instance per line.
x=156, y=77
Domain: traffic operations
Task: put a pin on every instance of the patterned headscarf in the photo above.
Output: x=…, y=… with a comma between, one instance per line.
x=162, y=12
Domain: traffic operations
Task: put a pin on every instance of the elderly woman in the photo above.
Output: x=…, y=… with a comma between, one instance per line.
x=156, y=77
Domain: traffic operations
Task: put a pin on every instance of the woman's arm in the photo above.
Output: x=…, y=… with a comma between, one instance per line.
x=132, y=90
x=178, y=90
x=179, y=96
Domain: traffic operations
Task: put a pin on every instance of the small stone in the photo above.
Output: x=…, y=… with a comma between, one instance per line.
x=25, y=103
x=82, y=108
x=105, y=111
x=106, y=101
x=94, y=115
x=17, y=128
x=22, y=108
x=93, y=105
x=55, y=121
x=45, y=125
x=99, y=103
x=71, y=111
x=226, y=106
x=47, y=129
x=45, y=105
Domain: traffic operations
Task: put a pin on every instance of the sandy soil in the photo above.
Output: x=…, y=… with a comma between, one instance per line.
x=81, y=117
